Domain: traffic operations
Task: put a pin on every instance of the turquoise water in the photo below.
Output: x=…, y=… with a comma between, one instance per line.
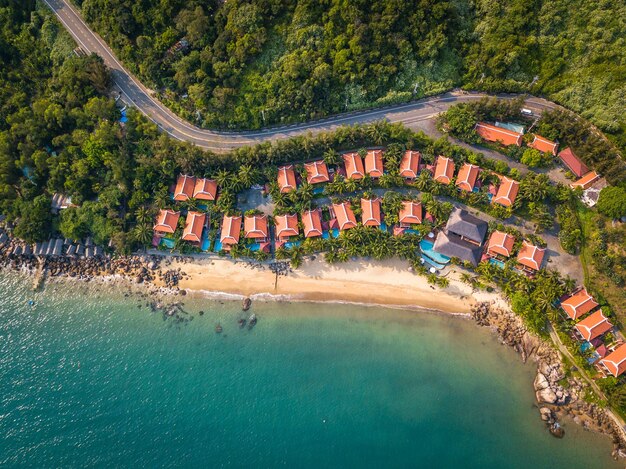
x=427, y=250
x=91, y=379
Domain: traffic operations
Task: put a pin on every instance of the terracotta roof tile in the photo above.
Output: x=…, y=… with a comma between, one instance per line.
x=354, y=166
x=501, y=243
x=444, y=170
x=316, y=172
x=578, y=304
x=166, y=221
x=194, y=224
x=491, y=133
x=531, y=256
x=409, y=165
x=286, y=178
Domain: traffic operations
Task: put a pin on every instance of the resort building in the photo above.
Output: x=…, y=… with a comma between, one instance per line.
x=286, y=226
x=544, y=145
x=507, y=192
x=578, y=304
x=573, y=163
x=593, y=326
x=344, y=215
x=491, y=133
x=316, y=172
x=500, y=244
x=586, y=181
x=312, y=222
x=466, y=179
x=374, y=163
x=444, y=170
x=255, y=227
x=530, y=257
x=615, y=362
x=354, y=165
x=205, y=189
x=231, y=230
x=370, y=212
x=194, y=225
x=286, y=179
x=185, y=186
x=462, y=238
x=410, y=214
x=409, y=166
x=166, y=221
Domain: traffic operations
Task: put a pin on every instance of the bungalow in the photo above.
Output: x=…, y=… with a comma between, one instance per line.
x=462, y=237
x=444, y=170
x=573, y=163
x=255, y=227
x=354, y=165
x=231, y=230
x=500, y=243
x=578, y=304
x=491, y=133
x=594, y=326
x=374, y=163
x=466, y=179
x=370, y=212
x=544, y=145
x=409, y=166
x=194, y=224
x=410, y=214
x=286, y=179
x=316, y=172
x=312, y=221
x=166, y=221
x=205, y=189
x=185, y=186
x=615, y=362
x=530, y=257
x=586, y=181
x=345, y=216
x=286, y=226
x=507, y=192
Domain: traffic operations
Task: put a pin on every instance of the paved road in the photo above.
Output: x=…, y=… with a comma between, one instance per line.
x=136, y=94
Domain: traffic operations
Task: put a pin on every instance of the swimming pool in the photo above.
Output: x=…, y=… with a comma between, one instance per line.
x=427, y=248
x=291, y=244
x=585, y=346
x=168, y=243
x=497, y=262
x=432, y=263
x=217, y=246
x=318, y=190
x=206, y=244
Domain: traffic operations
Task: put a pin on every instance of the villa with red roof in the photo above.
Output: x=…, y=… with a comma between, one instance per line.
x=444, y=170
x=573, y=163
x=374, y=163
x=354, y=165
x=615, y=362
x=345, y=216
x=194, y=224
x=316, y=172
x=185, y=186
x=409, y=166
x=578, y=304
x=410, y=214
x=370, y=212
x=286, y=179
x=594, y=326
x=255, y=227
x=507, y=192
x=544, y=145
x=586, y=181
x=205, y=189
x=491, y=133
x=466, y=179
x=231, y=230
x=530, y=256
x=166, y=221
x=500, y=243
x=286, y=226
x=312, y=222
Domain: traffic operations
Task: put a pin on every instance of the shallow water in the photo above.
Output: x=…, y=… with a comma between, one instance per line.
x=90, y=379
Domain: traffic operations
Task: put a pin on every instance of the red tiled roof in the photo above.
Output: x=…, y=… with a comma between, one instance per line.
x=194, y=224
x=500, y=243
x=410, y=164
x=579, y=304
x=286, y=178
x=491, y=133
x=574, y=163
x=255, y=226
x=166, y=221
x=374, y=163
x=345, y=216
x=354, y=165
x=370, y=209
x=312, y=221
x=594, y=326
x=205, y=189
x=531, y=256
x=410, y=213
x=544, y=145
x=466, y=179
x=615, y=362
x=507, y=192
x=231, y=229
x=444, y=170
x=316, y=172
x=286, y=225
x=185, y=186
x=586, y=181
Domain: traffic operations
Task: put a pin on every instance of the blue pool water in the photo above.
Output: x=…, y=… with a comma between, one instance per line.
x=217, y=246
x=427, y=248
x=318, y=190
x=585, y=346
x=497, y=262
x=291, y=244
x=168, y=243
x=432, y=263
x=206, y=244
x=411, y=231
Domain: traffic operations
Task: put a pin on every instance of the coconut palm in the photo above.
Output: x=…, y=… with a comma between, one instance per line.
x=143, y=233
x=331, y=157
x=424, y=181
x=246, y=175
x=222, y=177
x=143, y=215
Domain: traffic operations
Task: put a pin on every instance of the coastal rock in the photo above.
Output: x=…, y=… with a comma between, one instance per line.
x=547, y=396
x=557, y=430
x=546, y=414
x=541, y=382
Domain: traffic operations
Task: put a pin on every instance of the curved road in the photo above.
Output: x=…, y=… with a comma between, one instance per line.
x=136, y=94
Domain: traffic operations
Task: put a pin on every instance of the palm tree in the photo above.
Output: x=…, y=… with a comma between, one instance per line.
x=143, y=233
x=246, y=175
x=331, y=157
x=222, y=177
x=378, y=131
x=423, y=181
x=143, y=215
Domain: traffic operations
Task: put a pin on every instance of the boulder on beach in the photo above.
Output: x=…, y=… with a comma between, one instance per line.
x=547, y=396
x=541, y=382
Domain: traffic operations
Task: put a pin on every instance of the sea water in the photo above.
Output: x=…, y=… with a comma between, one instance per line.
x=90, y=377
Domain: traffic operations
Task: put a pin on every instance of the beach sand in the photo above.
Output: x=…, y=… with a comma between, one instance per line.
x=388, y=283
